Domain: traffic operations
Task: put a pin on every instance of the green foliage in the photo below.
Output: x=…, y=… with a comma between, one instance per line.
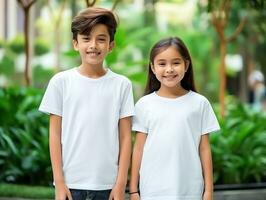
x=24, y=156
x=41, y=76
x=239, y=149
x=1, y=43
x=17, y=44
x=41, y=47
x=7, y=65
x=23, y=191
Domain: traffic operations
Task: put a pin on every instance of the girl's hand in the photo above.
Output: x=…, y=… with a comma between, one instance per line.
x=134, y=196
x=117, y=193
x=62, y=192
x=207, y=196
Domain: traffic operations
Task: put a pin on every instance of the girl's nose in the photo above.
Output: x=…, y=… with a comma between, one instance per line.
x=169, y=69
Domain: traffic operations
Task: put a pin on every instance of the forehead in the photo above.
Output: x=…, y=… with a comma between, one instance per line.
x=170, y=53
x=99, y=29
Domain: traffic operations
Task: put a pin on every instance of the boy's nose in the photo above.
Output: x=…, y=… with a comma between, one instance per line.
x=93, y=44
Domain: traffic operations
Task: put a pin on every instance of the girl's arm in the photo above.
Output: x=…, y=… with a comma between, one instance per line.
x=118, y=190
x=61, y=190
x=136, y=162
x=206, y=162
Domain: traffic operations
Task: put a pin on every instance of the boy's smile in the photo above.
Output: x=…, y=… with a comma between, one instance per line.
x=94, y=47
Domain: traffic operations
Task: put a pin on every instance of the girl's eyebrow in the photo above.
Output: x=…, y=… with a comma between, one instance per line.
x=160, y=60
x=179, y=59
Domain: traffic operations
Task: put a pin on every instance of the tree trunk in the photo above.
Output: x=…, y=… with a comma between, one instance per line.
x=27, y=48
x=222, y=77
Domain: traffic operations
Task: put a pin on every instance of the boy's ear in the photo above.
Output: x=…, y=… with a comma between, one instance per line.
x=75, y=44
x=111, y=46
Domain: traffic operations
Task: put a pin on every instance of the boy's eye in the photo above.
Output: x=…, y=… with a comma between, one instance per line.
x=86, y=38
x=102, y=39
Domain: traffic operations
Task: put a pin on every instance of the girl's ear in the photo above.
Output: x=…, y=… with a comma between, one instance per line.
x=111, y=46
x=152, y=67
x=75, y=44
x=187, y=64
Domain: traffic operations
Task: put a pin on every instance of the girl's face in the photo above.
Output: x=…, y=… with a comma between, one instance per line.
x=169, y=67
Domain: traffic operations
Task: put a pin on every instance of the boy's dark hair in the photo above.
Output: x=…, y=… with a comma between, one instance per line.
x=187, y=82
x=84, y=22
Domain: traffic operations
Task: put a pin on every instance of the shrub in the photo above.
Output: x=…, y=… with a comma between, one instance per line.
x=239, y=148
x=24, y=154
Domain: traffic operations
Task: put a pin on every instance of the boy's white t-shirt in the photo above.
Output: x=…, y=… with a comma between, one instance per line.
x=171, y=167
x=90, y=111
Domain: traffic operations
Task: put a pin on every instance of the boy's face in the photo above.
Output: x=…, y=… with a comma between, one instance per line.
x=94, y=47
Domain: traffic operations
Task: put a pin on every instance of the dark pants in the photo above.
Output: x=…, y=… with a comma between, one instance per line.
x=90, y=194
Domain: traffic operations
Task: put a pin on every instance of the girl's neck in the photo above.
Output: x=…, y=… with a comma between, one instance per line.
x=92, y=71
x=171, y=92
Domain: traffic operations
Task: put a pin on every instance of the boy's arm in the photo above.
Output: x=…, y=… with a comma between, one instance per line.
x=124, y=158
x=136, y=162
x=61, y=191
x=206, y=162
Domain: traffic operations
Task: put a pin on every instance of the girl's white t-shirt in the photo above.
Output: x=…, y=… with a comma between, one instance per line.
x=171, y=167
x=90, y=110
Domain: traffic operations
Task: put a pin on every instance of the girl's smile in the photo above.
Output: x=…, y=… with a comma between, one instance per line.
x=169, y=68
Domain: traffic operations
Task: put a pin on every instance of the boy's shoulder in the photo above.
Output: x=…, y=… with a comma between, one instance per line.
x=119, y=77
x=60, y=76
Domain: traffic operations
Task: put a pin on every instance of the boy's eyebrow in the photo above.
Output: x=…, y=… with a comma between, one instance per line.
x=102, y=35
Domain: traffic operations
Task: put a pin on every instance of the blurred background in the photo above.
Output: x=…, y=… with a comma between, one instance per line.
x=227, y=42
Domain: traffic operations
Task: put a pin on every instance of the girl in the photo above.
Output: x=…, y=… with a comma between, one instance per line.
x=172, y=156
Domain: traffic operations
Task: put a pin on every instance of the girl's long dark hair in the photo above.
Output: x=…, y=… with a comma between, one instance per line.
x=187, y=82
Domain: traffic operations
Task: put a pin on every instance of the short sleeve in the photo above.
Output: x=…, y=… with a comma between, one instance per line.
x=139, y=119
x=53, y=99
x=209, y=122
x=127, y=104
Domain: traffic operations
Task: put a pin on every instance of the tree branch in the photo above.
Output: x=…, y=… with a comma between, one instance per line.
x=115, y=4
x=238, y=30
x=90, y=4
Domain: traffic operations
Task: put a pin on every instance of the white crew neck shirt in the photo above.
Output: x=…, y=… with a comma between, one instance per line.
x=171, y=167
x=90, y=110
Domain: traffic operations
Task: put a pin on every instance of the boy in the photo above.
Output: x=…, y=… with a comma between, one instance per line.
x=90, y=111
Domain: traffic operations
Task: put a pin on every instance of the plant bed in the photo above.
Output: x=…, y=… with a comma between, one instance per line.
x=242, y=186
x=244, y=191
x=25, y=191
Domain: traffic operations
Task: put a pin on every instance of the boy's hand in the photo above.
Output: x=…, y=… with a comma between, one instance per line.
x=117, y=193
x=134, y=196
x=207, y=196
x=62, y=192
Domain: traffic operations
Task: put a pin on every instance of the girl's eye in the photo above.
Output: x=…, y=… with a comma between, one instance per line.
x=176, y=63
x=161, y=64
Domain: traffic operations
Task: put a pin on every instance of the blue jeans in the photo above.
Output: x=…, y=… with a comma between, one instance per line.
x=90, y=194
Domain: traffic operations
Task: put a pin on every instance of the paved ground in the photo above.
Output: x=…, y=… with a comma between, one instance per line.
x=255, y=194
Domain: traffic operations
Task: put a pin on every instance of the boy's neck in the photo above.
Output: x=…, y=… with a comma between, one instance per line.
x=92, y=71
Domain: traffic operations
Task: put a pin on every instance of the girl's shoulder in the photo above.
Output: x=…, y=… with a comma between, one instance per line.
x=146, y=99
x=198, y=97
